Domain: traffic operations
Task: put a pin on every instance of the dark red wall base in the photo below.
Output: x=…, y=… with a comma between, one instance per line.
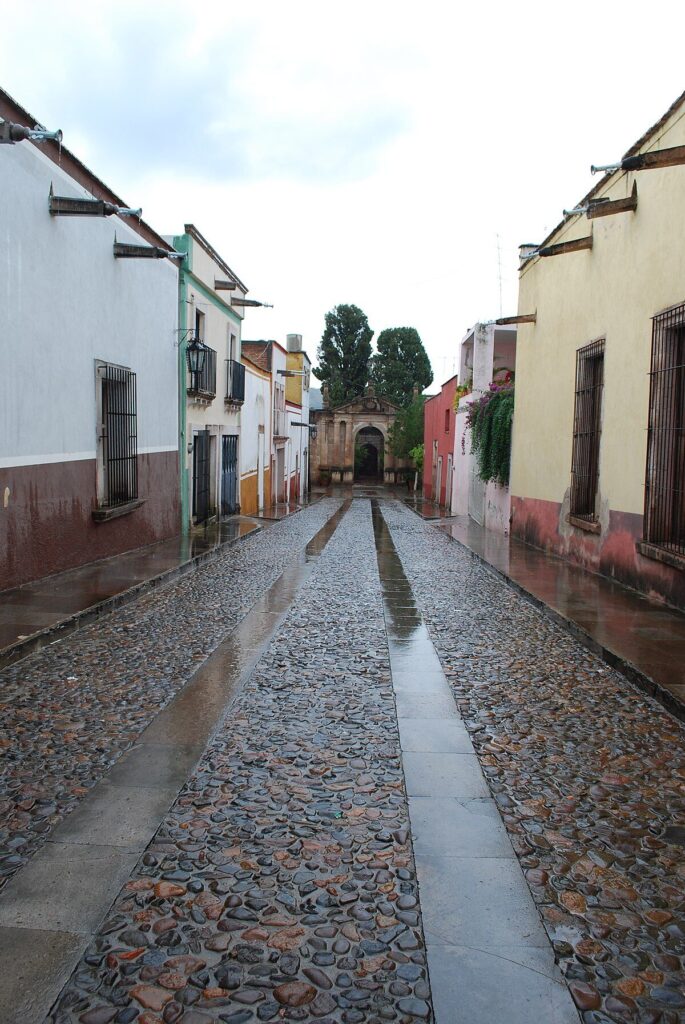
x=612, y=553
x=48, y=526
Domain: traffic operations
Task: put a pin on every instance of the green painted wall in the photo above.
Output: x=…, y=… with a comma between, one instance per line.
x=183, y=243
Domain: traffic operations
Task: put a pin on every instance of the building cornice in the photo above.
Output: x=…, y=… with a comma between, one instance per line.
x=191, y=230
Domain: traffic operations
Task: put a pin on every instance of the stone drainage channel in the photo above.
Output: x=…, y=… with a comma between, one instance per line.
x=489, y=957
x=282, y=882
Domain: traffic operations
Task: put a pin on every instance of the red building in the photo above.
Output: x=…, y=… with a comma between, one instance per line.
x=438, y=440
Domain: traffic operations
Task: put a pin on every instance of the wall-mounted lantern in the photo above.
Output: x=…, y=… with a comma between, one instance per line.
x=196, y=354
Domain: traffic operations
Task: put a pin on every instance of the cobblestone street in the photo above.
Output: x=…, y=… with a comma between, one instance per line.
x=589, y=775
x=335, y=853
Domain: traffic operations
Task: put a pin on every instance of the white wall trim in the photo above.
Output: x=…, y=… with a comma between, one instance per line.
x=12, y=461
x=16, y=461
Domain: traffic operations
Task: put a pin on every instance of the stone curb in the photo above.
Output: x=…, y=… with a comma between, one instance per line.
x=632, y=673
x=51, y=634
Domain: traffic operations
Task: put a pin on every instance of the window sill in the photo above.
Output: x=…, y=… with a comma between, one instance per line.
x=103, y=515
x=660, y=554
x=589, y=525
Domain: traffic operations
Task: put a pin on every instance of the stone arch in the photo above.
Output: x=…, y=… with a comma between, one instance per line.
x=367, y=425
x=369, y=441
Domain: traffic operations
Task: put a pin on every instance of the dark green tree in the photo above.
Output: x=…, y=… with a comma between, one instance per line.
x=344, y=353
x=400, y=363
x=406, y=432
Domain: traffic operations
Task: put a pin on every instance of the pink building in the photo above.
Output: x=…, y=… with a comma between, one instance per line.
x=438, y=440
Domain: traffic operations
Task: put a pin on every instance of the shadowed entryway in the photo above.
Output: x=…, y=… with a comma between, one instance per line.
x=368, y=454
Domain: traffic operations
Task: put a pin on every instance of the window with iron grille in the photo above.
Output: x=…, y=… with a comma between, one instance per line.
x=203, y=383
x=586, y=430
x=664, y=524
x=235, y=381
x=118, y=440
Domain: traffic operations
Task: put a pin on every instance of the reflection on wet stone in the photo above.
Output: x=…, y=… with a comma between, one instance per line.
x=281, y=884
x=72, y=709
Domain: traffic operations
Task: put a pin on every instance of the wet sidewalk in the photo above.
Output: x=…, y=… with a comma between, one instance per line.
x=643, y=639
x=35, y=614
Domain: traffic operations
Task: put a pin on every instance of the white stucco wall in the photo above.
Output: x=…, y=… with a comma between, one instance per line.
x=256, y=412
x=462, y=464
x=65, y=301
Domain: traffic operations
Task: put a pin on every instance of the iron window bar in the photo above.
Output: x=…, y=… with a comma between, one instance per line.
x=664, y=515
x=201, y=476
x=586, y=431
x=203, y=383
x=119, y=436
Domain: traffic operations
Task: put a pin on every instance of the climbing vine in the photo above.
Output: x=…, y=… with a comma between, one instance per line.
x=489, y=419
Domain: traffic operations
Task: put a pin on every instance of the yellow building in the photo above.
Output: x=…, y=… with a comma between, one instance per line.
x=598, y=456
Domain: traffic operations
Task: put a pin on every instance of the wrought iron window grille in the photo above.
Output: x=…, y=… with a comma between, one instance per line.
x=587, y=424
x=664, y=515
x=118, y=452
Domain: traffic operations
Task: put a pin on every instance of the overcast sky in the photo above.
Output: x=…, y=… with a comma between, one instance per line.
x=387, y=154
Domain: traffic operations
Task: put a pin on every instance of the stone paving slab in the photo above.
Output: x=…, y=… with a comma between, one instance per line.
x=433, y=735
x=123, y=816
x=443, y=775
x=479, y=902
x=524, y=992
x=26, y=955
x=62, y=888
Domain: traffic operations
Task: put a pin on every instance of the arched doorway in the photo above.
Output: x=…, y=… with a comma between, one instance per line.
x=369, y=446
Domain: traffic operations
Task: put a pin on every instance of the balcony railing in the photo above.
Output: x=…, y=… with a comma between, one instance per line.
x=235, y=381
x=203, y=384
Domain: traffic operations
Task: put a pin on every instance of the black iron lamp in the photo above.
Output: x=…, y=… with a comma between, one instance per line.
x=196, y=354
x=313, y=433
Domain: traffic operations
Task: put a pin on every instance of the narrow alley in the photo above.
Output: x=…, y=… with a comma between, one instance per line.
x=338, y=773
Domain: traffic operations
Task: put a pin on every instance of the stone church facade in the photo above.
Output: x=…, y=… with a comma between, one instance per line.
x=362, y=423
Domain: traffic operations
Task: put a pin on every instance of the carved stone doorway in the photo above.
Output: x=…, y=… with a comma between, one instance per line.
x=368, y=454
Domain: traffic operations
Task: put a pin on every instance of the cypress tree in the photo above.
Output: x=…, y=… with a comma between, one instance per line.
x=344, y=353
x=400, y=363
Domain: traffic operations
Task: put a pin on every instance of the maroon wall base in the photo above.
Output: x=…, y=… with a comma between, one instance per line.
x=48, y=524
x=611, y=553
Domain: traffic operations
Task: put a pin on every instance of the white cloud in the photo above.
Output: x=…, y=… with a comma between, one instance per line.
x=366, y=152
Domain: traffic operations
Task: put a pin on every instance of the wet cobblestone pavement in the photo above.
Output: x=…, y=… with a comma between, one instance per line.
x=281, y=884
x=68, y=712
x=589, y=775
